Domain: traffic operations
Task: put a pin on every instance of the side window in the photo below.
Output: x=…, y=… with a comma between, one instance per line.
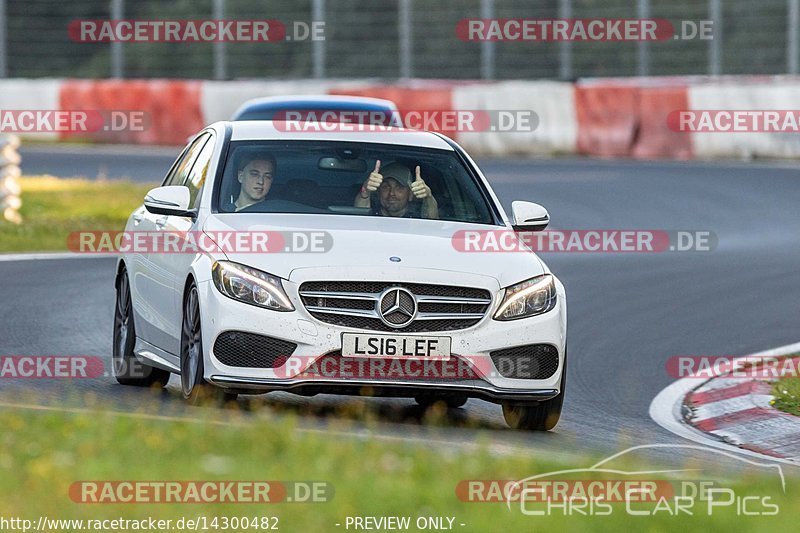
x=197, y=176
x=181, y=168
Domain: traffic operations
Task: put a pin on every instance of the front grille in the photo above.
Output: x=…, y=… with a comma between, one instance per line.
x=249, y=350
x=356, y=304
x=533, y=361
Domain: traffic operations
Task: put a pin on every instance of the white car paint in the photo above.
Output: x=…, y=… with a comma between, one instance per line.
x=361, y=252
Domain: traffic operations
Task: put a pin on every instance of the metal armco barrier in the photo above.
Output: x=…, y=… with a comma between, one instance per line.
x=10, y=201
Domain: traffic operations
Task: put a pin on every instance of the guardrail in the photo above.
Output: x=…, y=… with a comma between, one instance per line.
x=660, y=117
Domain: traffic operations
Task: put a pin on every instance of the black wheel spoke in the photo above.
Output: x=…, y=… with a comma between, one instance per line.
x=122, y=297
x=187, y=332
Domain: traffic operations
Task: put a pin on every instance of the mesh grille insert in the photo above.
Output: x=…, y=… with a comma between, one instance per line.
x=533, y=361
x=249, y=350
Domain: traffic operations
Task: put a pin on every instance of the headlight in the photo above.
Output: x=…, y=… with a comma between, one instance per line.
x=250, y=286
x=529, y=298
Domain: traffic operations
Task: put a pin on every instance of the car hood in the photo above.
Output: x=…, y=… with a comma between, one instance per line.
x=365, y=244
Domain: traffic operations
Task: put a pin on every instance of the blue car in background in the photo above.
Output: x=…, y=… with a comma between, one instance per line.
x=269, y=107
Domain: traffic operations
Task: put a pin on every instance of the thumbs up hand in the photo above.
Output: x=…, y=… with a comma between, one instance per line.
x=419, y=188
x=375, y=178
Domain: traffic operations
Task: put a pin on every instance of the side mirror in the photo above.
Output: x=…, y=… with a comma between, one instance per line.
x=172, y=200
x=528, y=216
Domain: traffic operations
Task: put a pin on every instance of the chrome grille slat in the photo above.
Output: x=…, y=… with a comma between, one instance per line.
x=449, y=316
x=341, y=311
x=438, y=305
x=447, y=300
x=341, y=295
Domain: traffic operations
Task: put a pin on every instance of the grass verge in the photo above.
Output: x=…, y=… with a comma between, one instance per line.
x=787, y=395
x=44, y=453
x=52, y=208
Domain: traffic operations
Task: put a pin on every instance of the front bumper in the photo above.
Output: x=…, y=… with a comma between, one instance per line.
x=315, y=340
x=381, y=388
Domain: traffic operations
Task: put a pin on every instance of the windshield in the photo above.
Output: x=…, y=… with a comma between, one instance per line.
x=358, y=179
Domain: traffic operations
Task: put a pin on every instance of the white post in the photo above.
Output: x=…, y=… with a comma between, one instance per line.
x=487, y=46
x=220, y=63
x=10, y=201
x=715, y=44
x=404, y=33
x=793, y=36
x=117, y=53
x=3, y=46
x=318, y=45
x=565, y=47
x=643, y=47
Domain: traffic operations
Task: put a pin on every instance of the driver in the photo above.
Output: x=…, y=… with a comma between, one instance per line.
x=396, y=189
x=255, y=175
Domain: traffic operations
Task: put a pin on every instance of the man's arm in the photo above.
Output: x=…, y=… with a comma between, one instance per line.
x=363, y=198
x=371, y=185
x=420, y=189
x=430, y=208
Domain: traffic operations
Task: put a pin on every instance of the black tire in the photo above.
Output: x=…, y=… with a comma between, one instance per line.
x=453, y=401
x=195, y=389
x=127, y=368
x=542, y=417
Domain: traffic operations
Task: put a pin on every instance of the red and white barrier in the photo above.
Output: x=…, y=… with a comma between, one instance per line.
x=736, y=94
x=171, y=108
x=628, y=118
x=553, y=103
x=625, y=118
x=31, y=94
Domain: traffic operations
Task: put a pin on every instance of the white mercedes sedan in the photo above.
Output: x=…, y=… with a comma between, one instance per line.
x=338, y=262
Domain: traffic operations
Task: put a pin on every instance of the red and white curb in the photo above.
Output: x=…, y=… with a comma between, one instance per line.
x=731, y=413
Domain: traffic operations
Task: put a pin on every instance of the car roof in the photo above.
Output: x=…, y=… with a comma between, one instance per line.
x=266, y=130
x=319, y=99
x=314, y=101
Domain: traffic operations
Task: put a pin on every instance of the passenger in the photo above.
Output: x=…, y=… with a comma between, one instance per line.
x=396, y=189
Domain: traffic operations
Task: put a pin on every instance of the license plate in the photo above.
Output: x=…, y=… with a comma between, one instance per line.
x=393, y=347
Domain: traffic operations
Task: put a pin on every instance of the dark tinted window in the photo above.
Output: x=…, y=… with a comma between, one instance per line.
x=199, y=172
x=326, y=177
x=183, y=166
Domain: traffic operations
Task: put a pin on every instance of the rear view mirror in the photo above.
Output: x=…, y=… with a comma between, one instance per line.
x=348, y=165
x=171, y=200
x=528, y=216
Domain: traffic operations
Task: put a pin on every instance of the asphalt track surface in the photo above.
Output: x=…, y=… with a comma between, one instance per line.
x=628, y=313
